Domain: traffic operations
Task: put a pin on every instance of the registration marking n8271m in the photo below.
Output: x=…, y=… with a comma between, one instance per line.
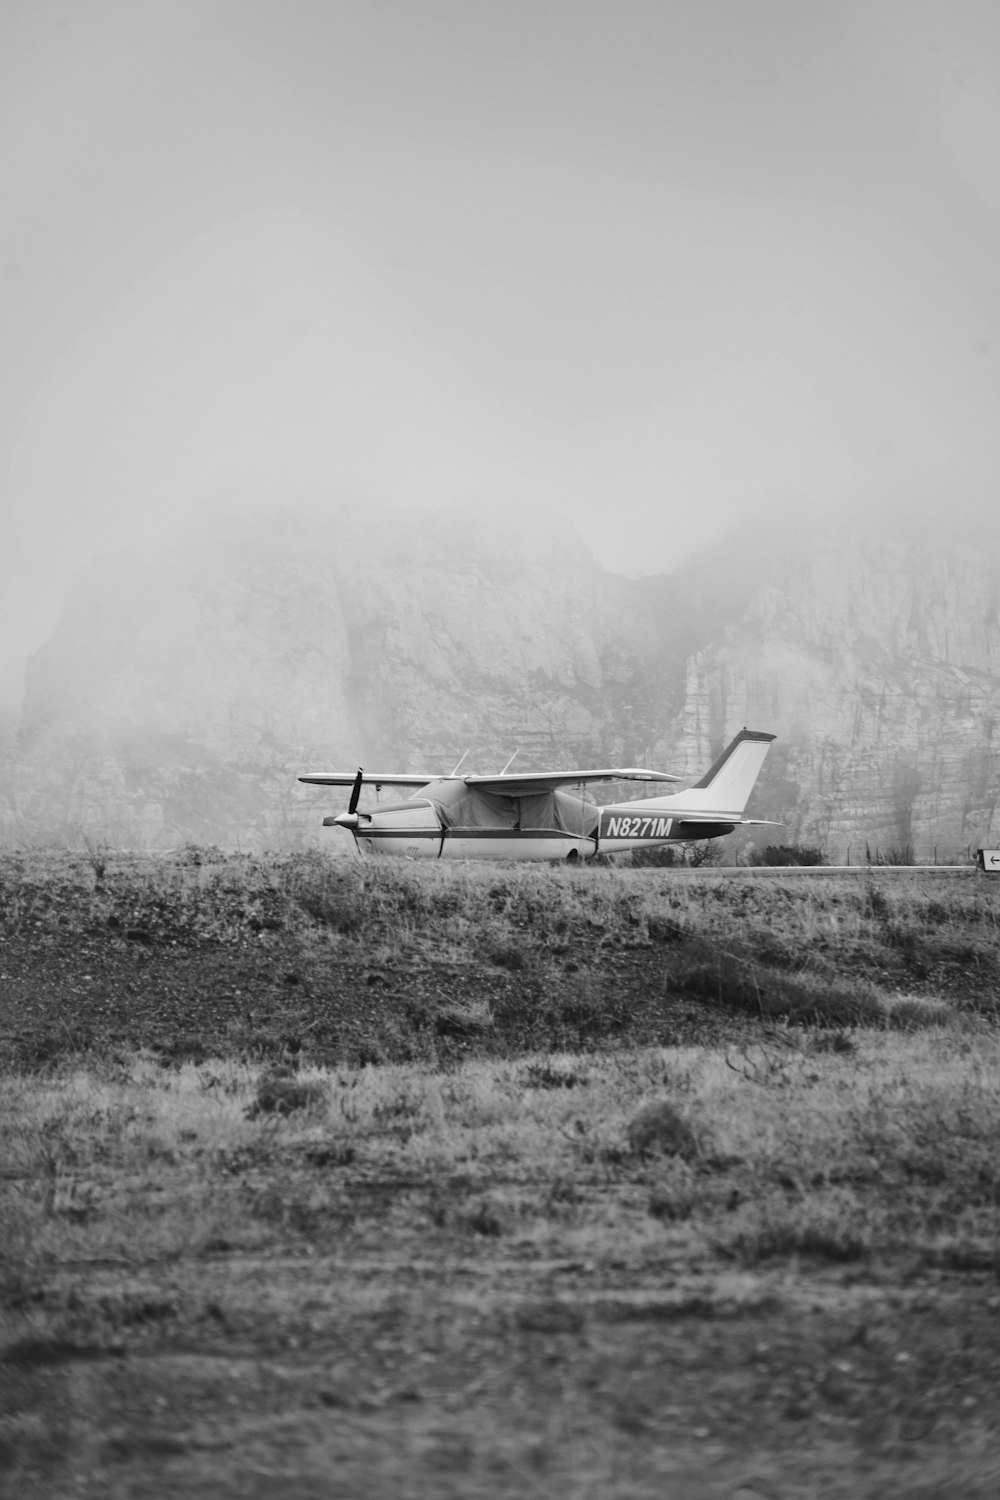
x=637, y=828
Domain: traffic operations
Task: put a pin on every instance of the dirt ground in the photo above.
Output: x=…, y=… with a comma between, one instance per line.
x=309, y=1305
x=196, y=956
x=406, y=1364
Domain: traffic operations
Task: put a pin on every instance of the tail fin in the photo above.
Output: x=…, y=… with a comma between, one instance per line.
x=726, y=787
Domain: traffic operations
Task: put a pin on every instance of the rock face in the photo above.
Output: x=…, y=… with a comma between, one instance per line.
x=876, y=658
x=183, y=693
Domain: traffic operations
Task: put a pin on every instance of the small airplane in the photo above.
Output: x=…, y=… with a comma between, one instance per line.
x=536, y=815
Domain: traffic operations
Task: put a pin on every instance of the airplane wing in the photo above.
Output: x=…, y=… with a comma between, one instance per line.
x=529, y=782
x=523, y=785
x=369, y=778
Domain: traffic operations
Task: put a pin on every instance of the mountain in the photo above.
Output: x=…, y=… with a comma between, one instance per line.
x=184, y=691
x=872, y=648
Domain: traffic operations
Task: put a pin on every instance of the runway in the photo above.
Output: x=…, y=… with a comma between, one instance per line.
x=755, y=872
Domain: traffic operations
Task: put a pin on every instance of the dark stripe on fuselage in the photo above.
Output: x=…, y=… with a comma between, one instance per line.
x=467, y=833
x=399, y=833
x=511, y=833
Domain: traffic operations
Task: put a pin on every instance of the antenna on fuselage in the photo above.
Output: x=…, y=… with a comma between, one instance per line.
x=511, y=761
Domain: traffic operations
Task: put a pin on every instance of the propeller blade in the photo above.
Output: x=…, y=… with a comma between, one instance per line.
x=349, y=822
x=352, y=806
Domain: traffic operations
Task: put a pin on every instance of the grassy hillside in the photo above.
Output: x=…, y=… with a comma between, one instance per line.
x=353, y=962
x=662, y=1185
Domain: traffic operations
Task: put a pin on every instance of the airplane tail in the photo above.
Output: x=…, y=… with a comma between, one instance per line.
x=725, y=788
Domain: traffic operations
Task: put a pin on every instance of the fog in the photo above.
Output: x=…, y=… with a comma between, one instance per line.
x=647, y=265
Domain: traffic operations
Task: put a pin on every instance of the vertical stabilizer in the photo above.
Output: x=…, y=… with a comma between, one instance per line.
x=726, y=787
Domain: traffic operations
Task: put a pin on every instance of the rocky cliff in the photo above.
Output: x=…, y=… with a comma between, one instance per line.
x=873, y=649
x=183, y=692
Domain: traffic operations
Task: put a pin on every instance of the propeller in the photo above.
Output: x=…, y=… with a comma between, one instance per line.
x=352, y=806
x=351, y=818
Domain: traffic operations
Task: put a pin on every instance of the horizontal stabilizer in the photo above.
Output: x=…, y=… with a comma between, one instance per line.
x=714, y=817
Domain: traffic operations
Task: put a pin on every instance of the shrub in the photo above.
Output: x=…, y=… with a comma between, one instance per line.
x=474, y=1018
x=917, y=1013
x=834, y=1041
x=507, y=955
x=545, y=1076
x=660, y=1130
x=663, y=858
x=704, y=854
x=665, y=929
x=788, y=854
x=901, y=854
x=833, y=1229
x=281, y=1093
x=738, y=983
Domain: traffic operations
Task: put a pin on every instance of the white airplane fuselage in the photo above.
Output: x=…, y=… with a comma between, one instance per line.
x=460, y=845
x=415, y=830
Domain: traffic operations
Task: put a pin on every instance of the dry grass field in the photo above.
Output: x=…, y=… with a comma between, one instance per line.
x=529, y=1183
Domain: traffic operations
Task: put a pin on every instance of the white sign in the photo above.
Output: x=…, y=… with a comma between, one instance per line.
x=989, y=859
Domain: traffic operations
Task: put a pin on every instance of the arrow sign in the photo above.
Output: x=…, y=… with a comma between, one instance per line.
x=989, y=859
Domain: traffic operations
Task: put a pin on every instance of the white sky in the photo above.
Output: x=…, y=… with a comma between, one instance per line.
x=648, y=264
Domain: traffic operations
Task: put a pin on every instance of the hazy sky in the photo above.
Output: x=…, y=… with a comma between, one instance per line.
x=649, y=264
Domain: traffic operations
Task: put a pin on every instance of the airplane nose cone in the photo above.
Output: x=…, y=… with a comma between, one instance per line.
x=342, y=820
